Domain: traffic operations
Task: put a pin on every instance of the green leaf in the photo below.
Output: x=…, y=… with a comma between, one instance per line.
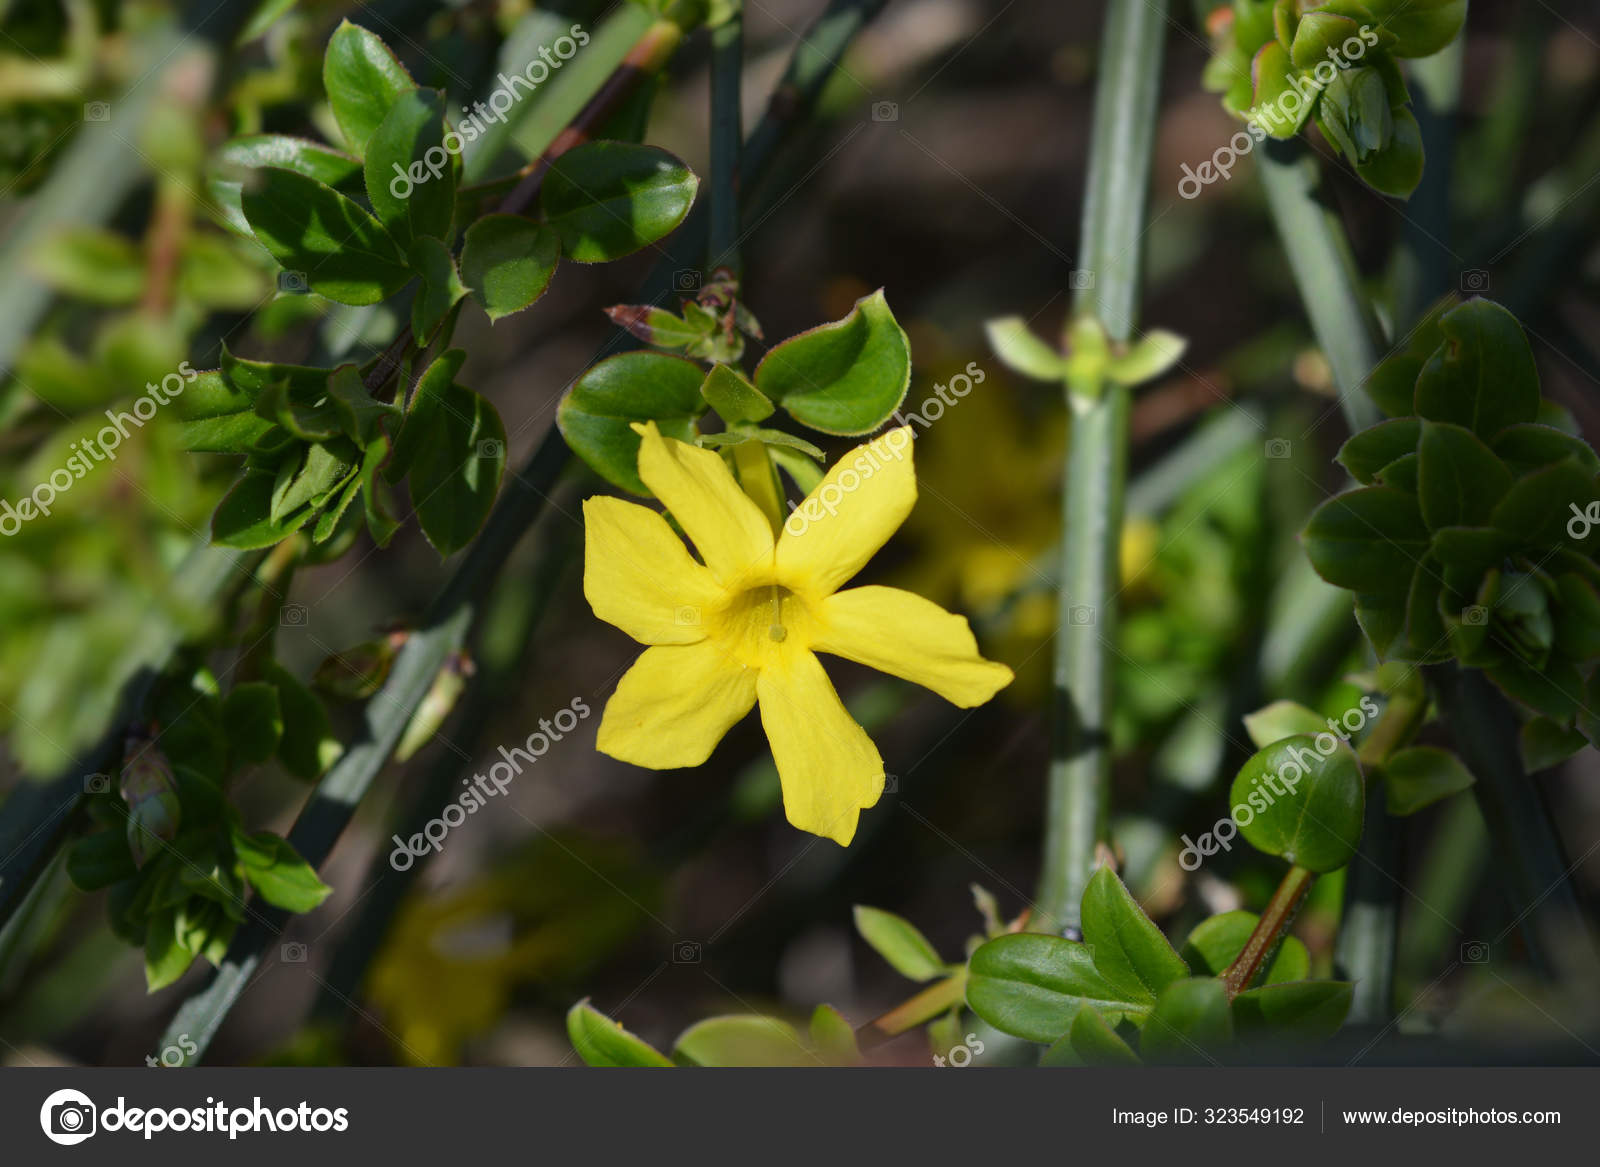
x=410, y=179
x=1545, y=744
x=375, y=495
x=507, y=261
x=253, y=721
x=1368, y=540
x=842, y=378
x=1542, y=508
x=834, y=1039
x=744, y=1040
x=600, y=1041
x=243, y=519
x=1217, y=942
x=1272, y=74
x=1420, y=776
x=1577, y=617
x=432, y=385
x=1303, y=805
x=1154, y=354
x=1368, y=452
x=730, y=393
x=1190, y=1021
x=1396, y=169
x=100, y=859
x=456, y=470
x=343, y=252
x=1475, y=548
x=897, y=940
x=609, y=199
x=217, y=418
x=1532, y=446
x=361, y=416
x=1021, y=350
x=1279, y=720
x=1090, y=1042
x=441, y=288
x=1299, y=1010
x=165, y=960
x=308, y=746
x=277, y=872
x=1421, y=27
x=1032, y=986
x=91, y=264
x=597, y=414
x=657, y=326
x=1459, y=480
x=1555, y=691
x=363, y=80
x=311, y=480
x=1129, y=950
x=1483, y=377
x=237, y=157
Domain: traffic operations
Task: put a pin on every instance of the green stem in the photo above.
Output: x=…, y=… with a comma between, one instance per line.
x=1270, y=930
x=1325, y=272
x=727, y=135
x=1077, y=810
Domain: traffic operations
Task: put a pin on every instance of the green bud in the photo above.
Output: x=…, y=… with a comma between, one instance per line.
x=151, y=792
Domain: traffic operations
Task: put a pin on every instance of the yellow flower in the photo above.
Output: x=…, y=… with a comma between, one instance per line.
x=744, y=624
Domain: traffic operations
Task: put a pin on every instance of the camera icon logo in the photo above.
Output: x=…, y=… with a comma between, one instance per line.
x=292, y=615
x=293, y=953
x=293, y=283
x=687, y=615
x=686, y=952
x=1474, y=952
x=885, y=111
x=96, y=783
x=891, y=784
x=1081, y=615
x=1477, y=615
x=97, y=111
x=67, y=1117
x=1080, y=280
x=491, y=448
x=1474, y=281
x=686, y=279
x=1279, y=447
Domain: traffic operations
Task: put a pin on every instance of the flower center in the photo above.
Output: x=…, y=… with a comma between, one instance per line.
x=761, y=622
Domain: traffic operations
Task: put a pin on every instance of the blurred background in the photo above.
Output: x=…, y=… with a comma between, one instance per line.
x=946, y=165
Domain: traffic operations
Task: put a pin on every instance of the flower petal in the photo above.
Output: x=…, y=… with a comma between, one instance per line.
x=726, y=527
x=901, y=633
x=673, y=706
x=638, y=575
x=828, y=765
x=858, y=504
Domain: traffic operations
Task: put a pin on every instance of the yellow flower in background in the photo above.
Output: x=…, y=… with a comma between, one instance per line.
x=744, y=625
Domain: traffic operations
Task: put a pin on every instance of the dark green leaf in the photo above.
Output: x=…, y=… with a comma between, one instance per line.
x=1459, y=480
x=253, y=721
x=243, y=519
x=1090, y=1042
x=455, y=472
x=1483, y=376
x=235, y=158
x=1531, y=446
x=1368, y=540
x=308, y=746
x=343, y=252
x=597, y=414
x=100, y=859
x=431, y=386
x=733, y=397
x=1396, y=168
x=1300, y=1010
x=507, y=261
x=1549, y=507
x=842, y=378
x=441, y=287
x=609, y=199
x=1369, y=451
x=1474, y=548
x=1554, y=691
x=1545, y=744
x=217, y=418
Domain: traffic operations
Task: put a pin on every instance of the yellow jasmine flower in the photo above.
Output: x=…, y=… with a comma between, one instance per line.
x=744, y=624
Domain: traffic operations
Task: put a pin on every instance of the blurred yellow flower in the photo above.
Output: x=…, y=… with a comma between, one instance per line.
x=745, y=624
